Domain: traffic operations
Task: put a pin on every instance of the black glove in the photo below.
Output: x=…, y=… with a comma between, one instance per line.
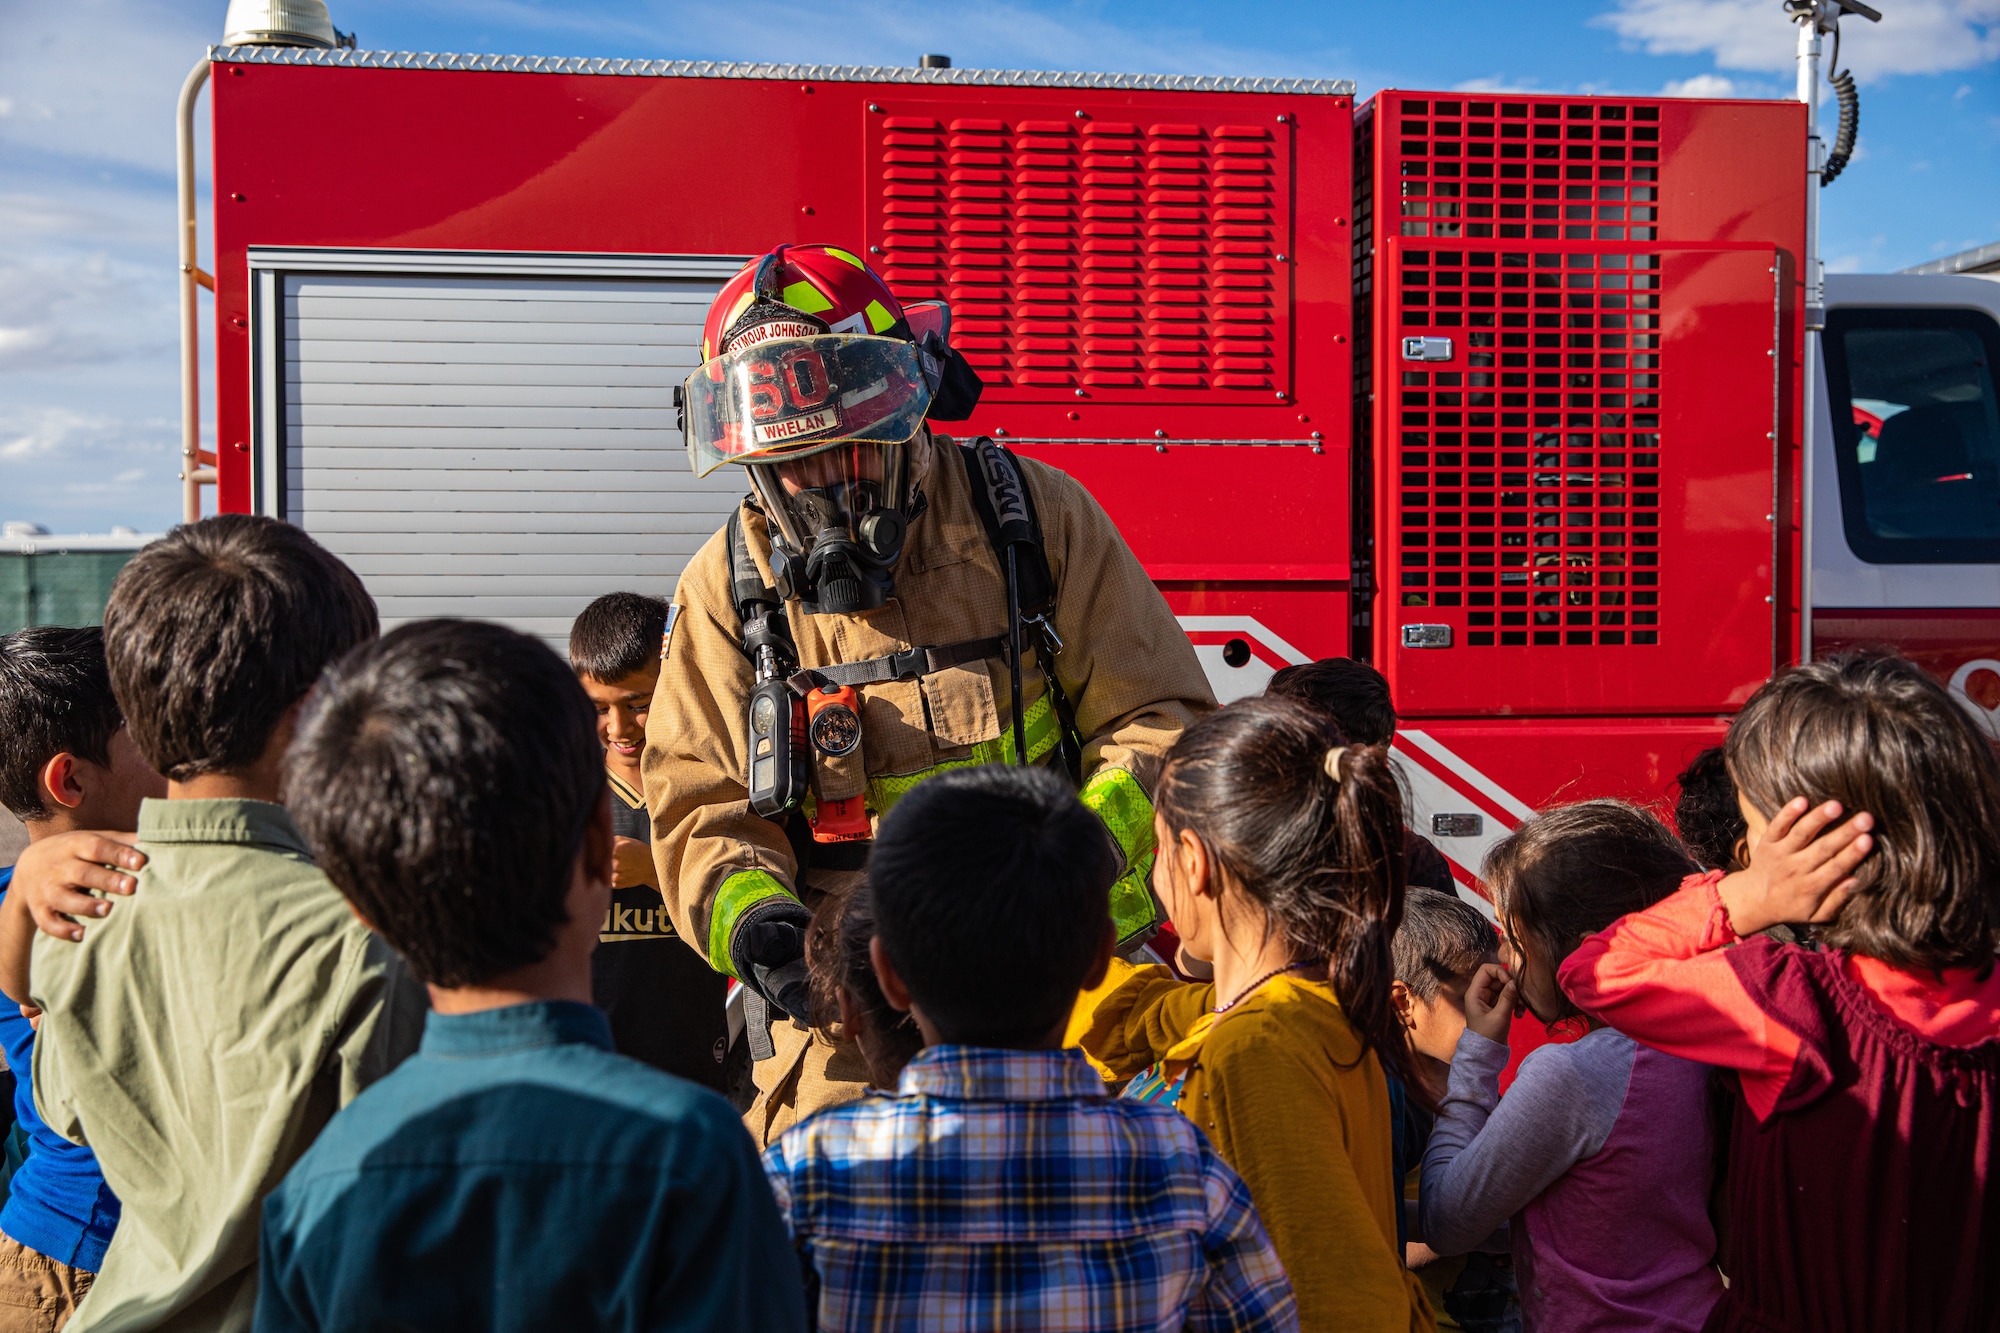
x=769, y=951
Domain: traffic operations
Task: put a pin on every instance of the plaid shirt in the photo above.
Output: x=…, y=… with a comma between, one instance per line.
x=1005, y=1190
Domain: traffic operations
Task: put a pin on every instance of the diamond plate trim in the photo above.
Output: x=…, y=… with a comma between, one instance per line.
x=721, y=69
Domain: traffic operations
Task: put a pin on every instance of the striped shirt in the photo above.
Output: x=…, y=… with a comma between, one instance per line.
x=1004, y=1189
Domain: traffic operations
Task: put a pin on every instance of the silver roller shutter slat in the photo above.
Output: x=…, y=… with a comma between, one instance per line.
x=499, y=448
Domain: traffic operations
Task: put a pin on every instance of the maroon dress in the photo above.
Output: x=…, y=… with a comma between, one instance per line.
x=1869, y=1199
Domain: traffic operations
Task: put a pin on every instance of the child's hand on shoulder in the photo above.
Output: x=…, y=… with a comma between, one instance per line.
x=1800, y=870
x=59, y=879
x=1490, y=1001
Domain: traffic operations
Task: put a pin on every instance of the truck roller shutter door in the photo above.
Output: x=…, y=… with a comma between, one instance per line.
x=500, y=448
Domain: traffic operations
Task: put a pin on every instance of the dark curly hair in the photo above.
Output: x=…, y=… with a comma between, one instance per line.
x=1706, y=814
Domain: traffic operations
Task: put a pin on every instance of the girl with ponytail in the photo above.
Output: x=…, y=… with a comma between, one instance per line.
x=1280, y=862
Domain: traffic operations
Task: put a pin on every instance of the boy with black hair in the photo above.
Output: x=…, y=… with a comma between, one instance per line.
x=664, y=1001
x=514, y=1172
x=66, y=762
x=199, y=1036
x=1356, y=695
x=1000, y=1187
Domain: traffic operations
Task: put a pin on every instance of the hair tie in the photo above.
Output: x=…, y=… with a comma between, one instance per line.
x=1332, y=762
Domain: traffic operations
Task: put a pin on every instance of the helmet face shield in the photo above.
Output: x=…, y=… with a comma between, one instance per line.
x=790, y=397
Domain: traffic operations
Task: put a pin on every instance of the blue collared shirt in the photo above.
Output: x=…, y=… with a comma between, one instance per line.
x=516, y=1174
x=1004, y=1189
x=57, y=1203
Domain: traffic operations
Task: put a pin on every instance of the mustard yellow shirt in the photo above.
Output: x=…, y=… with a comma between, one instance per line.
x=1281, y=1088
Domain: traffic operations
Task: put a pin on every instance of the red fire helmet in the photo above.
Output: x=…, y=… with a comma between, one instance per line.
x=806, y=349
x=834, y=289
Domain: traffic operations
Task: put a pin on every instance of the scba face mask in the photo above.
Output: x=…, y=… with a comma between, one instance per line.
x=838, y=519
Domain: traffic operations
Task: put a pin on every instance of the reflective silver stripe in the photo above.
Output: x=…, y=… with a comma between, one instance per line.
x=724, y=69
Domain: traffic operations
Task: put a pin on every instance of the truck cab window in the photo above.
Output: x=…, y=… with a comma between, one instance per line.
x=1916, y=433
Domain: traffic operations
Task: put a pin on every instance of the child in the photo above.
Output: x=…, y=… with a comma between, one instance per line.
x=200, y=1035
x=1705, y=813
x=1278, y=851
x=1862, y=1192
x=66, y=762
x=845, y=1002
x=514, y=1173
x=1000, y=1187
x=847, y=999
x=1356, y=695
x=664, y=1001
x=1441, y=943
x=1602, y=1151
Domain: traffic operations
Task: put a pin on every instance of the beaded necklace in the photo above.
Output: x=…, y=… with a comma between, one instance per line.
x=1246, y=992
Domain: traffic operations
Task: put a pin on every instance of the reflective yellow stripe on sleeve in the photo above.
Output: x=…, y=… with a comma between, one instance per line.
x=1127, y=811
x=738, y=894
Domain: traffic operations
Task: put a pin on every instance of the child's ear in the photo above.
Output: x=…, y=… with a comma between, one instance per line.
x=59, y=781
x=853, y=1021
x=1739, y=854
x=1196, y=871
x=1400, y=996
x=893, y=989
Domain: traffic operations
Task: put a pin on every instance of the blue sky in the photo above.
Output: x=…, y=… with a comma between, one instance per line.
x=88, y=386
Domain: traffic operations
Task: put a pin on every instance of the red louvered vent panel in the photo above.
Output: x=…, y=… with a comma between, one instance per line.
x=1134, y=260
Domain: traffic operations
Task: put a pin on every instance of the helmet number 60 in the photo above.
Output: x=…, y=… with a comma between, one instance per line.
x=795, y=381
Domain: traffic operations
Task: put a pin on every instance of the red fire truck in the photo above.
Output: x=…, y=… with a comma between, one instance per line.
x=1504, y=392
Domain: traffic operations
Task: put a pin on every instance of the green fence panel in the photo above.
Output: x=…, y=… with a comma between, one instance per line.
x=17, y=592
x=56, y=587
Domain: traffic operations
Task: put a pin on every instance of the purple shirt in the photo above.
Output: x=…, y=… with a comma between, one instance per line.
x=1602, y=1153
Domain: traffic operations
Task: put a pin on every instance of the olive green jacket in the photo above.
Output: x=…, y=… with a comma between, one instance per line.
x=197, y=1040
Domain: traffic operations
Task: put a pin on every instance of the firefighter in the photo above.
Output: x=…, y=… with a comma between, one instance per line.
x=886, y=603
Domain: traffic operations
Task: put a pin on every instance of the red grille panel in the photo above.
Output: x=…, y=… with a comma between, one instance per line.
x=1529, y=482
x=1123, y=258
x=1608, y=365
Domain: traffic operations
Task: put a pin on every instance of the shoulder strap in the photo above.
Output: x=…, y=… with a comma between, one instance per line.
x=746, y=585
x=1007, y=509
x=1000, y=494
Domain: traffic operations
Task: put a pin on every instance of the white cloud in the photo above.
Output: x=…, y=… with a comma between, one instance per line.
x=63, y=310
x=1497, y=83
x=1702, y=85
x=46, y=432
x=1914, y=36
x=84, y=471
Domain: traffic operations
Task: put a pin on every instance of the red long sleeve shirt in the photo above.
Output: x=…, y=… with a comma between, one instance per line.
x=1662, y=977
